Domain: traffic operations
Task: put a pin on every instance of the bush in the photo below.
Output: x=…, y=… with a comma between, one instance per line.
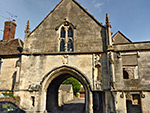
x=75, y=84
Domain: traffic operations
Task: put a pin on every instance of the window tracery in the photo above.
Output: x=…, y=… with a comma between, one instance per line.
x=66, y=38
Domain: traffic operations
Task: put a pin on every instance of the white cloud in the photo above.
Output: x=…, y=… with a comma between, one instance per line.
x=98, y=5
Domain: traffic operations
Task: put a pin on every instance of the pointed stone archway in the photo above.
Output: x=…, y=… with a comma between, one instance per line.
x=52, y=81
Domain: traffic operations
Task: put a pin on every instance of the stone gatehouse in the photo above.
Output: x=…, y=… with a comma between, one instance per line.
x=70, y=42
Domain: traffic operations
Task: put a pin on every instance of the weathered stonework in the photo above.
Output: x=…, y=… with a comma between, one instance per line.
x=113, y=70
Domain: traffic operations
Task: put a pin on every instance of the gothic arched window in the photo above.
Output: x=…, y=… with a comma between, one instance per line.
x=62, y=45
x=66, y=38
x=63, y=32
x=70, y=45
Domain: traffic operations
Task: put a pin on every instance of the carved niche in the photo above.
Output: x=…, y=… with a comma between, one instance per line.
x=98, y=71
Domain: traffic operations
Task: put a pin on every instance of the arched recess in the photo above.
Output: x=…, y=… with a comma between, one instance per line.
x=125, y=74
x=51, y=82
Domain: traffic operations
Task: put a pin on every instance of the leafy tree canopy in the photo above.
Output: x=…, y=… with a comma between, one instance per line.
x=75, y=84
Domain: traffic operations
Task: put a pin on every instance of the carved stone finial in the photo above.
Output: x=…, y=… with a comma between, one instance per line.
x=66, y=23
x=107, y=21
x=27, y=27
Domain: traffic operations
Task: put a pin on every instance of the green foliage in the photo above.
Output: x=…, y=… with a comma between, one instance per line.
x=77, y=94
x=8, y=95
x=75, y=84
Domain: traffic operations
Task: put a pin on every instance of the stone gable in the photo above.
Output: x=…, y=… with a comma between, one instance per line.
x=119, y=38
x=88, y=32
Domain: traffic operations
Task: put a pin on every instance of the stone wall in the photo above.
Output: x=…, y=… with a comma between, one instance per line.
x=36, y=68
x=144, y=70
x=65, y=94
x=121, y=100
x=121, y=103
x=64, y=97
x=146, y=102
x=137, y=69
x=137, y=46
x=8, y=73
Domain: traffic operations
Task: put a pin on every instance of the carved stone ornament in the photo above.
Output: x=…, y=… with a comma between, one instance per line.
x=18, y=63
x=65, y=59
x=119, y=55
x=138, y=54
x=113, y=86
x=97, y=58
x=97, y=69
x=34, y=87
x=98, y=84
x=122, y=95
x=65, y=23
x=128, y=96
x=142, y=95
x=110, y=58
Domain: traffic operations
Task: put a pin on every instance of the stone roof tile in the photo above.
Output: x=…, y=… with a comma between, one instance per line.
x=11, y=47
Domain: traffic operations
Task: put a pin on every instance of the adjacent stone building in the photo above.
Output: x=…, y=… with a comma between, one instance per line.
x=70, y=42
x=65, y=94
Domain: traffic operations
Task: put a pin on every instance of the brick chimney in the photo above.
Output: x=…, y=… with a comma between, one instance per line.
x=9, y=30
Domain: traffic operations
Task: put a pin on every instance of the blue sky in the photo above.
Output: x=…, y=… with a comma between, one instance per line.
x=131, y=17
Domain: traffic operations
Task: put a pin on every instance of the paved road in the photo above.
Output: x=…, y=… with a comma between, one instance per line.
x=75, y=106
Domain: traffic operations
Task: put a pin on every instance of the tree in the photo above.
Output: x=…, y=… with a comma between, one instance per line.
x=75, y=84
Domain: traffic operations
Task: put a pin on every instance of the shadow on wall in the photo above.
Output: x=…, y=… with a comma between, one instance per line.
x=14, y=80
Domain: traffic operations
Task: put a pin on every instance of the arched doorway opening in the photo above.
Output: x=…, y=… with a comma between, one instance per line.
x=69, y=98
x=54, y=82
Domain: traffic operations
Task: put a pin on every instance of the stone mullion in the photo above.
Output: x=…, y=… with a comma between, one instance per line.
x=59, y=41
x=66, y=39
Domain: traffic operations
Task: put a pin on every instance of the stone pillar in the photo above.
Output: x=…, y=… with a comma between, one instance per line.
x=110, y=100
x=112, y=69
x=90, y=102
x=121, y=102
